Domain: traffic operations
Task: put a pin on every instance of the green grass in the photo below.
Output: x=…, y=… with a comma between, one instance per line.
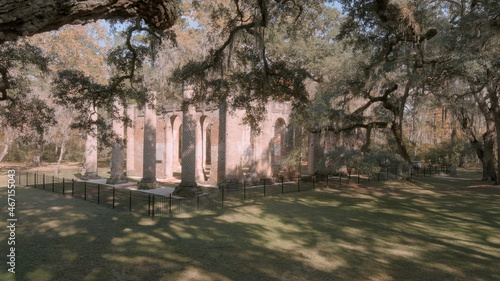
x=435, y=228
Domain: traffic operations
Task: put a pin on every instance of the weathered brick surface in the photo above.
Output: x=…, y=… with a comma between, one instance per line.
x=231, y=144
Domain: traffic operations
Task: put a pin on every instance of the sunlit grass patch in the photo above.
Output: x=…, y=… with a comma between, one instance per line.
x=434, y=228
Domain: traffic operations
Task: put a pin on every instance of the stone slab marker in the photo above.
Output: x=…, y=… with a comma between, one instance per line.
x=117, y=156
x=91, y=152
x=188, y=186
x=149, y=153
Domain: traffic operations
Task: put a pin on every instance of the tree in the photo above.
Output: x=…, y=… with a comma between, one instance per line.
x=26, y=18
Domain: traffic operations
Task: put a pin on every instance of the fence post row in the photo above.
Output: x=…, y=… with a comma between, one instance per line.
x=53, y=183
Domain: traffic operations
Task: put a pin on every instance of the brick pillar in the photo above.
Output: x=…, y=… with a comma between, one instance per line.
x=214, y=155
x=91, y=152
x=230, y=147
x=131, y=141
x=149, y=155
x=169, y=149
x=262, y=152
x=200, y=176
x=117, y=159
x=188, y=186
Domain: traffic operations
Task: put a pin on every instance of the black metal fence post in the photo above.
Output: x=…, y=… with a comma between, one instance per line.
x=244, y=190
x=113, y=197
x=27, y=179
x=130, y=201
x=43, y=181
x=170, y=205
x=149, y=205
x=327, y=181
x=63, y=185
x=84, y=190
x=282, y=185
x=72, y=187
x=35, y=178
x=313, y=181
x=222, y=197
x=98, y=194
x=264, y=187
x=53, y=184
x=153, y=209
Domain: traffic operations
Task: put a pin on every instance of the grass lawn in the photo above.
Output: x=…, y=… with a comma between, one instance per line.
x=437, y=228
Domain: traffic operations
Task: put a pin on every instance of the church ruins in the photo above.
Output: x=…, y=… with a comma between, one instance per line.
x=209, y=145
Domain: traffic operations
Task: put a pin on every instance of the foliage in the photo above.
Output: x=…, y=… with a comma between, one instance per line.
x=352, y=160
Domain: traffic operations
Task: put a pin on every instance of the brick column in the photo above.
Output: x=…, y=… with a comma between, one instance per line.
x=117, y=159
x=230, y=147
x=131, y=141
x=169, y=149
x=188, y=186
x=149, y=155
x=91, y=152
x=214, y=155
x=200, y=176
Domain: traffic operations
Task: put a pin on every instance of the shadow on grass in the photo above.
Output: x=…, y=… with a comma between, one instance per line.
x=429, y=230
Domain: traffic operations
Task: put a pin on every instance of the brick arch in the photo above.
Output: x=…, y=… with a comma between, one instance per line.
x=279, y=140
x=176, y=122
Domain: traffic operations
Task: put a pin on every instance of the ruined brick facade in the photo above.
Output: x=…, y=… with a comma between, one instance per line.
x=212, y=146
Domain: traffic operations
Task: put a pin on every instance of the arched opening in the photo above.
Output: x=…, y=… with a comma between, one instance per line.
x=279, y=140
x=208, y=151
x=179, y=144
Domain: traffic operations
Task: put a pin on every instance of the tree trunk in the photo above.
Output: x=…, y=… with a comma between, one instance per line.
x=26, y=18
x=61, y=153
x=488, y=157
x=5, y=150
x=36, y=155
x=493, y=92
x=398, y=135
x=489, y=173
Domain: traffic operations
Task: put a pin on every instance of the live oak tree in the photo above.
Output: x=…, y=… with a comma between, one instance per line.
x=26, y=18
